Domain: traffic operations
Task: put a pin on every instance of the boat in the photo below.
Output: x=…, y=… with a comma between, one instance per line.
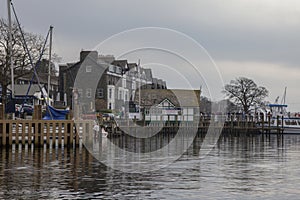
x=280, y=118
x=55, y=114
x=277, y=117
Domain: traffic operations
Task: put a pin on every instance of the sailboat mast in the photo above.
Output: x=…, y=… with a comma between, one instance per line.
x=49, y=67
x=10, y=50
x=284, y=96
x=140, y=85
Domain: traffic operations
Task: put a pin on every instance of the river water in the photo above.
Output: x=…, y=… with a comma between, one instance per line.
x=248, y=167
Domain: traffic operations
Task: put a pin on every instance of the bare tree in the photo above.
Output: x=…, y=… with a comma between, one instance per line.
x=205, y=104
x=20, y=58
x=245, y=93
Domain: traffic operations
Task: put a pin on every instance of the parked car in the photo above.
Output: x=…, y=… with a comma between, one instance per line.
x=26, y=109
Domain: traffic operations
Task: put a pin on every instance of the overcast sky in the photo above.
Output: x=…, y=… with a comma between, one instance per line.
x=258, y=39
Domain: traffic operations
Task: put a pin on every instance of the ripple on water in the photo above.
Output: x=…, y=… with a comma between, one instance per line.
x=237, y=168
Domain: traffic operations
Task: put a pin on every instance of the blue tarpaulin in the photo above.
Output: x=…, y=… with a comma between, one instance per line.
x=56, y=114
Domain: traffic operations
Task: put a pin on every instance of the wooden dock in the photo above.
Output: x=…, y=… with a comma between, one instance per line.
x=238, y=125
x=67, y=133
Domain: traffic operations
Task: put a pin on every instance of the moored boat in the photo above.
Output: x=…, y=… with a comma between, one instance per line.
x=280, y=118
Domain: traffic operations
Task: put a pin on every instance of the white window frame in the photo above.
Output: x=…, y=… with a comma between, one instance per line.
x=110, y=93
x=88, y=92
x=88, y=68
x=100, y=91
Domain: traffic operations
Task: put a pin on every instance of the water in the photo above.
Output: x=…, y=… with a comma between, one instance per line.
x=252, y=167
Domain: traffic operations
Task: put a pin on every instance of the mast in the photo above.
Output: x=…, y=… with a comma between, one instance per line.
x=10, y=49
x=140, y=85
x=49, y=67
x=284, y=96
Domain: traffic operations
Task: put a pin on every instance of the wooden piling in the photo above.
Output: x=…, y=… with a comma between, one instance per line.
x=37, y=112
x=29, y=132
x=282, y=126
x=23, y=133
x=48, y=134
x=17, y=134
x=65, y=134
x=10, y=134
x=2, y=112
x=278, y=128
x=36, y=134
x=59, y=134
x=53, y=126
x=3, y=134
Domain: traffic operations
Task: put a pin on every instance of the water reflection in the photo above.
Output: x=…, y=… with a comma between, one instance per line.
x=238, y=167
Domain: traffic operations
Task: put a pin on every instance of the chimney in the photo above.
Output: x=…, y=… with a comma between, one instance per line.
x=91, y=54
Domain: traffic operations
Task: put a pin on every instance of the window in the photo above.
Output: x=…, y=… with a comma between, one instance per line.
x=120, y=94
x=80, y=92
x=126, y=96
x=294, y=122
x=109, y=93
x=88, y=68
x=111, y=68
x=88, y=92
x=124, y=83
x=119, y=70
x=100, y=93
x=109, y=106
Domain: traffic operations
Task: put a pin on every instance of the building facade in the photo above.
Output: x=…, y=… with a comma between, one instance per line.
x=174, y=105
x=118, y=82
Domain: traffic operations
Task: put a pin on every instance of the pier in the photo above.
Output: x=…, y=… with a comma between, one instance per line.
x=67, y=133
x=233, y=125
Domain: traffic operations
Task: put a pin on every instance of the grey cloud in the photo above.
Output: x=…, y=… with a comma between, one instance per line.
x=258, y=31
x=234, y=29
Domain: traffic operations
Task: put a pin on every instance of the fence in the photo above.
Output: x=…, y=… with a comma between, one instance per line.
x=39, y=132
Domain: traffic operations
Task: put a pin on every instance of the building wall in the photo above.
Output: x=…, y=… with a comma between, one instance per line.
x=115, y=88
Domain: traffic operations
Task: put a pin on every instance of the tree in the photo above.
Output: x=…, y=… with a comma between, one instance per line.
x=245, y=93
x=44, y=66
x=205, y=104
x=20, y=58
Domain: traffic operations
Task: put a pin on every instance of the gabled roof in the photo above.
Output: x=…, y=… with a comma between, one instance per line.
x=179, y=98
x=161, y=104
x=75, y=66
x=120, y=63
x=43, y=78
x=21, y=90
